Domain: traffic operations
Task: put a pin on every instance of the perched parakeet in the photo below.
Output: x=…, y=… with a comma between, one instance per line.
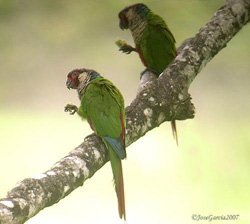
x=154, y=42
x=102, y=105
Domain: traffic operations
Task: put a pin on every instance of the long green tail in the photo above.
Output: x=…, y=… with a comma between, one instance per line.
x=116, y=165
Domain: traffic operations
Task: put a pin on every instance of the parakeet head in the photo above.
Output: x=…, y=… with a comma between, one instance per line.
x=131, y=14
x=80, y=78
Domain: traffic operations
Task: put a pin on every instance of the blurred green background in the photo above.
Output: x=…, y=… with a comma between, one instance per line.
x=41, y=41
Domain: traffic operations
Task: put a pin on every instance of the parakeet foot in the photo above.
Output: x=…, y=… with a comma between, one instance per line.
x=127, y=49
x=124, y=47
x=150, y=70
x=70, y=108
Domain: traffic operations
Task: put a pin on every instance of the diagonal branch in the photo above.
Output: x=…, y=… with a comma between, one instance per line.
x=157, y=101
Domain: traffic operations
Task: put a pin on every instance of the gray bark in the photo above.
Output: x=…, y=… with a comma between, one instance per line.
x=157, y=101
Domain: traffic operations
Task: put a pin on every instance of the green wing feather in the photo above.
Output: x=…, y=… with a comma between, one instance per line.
x=157, y=48
x=157, y=44
x=102, y=104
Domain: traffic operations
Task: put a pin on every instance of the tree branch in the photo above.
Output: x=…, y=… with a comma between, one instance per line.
x=157, y=101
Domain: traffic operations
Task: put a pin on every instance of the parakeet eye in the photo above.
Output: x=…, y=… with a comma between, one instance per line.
x=123, y=21
x=74, y=75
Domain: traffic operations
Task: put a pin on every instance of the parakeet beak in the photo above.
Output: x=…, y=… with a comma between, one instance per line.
x=69, y=83
x=121, y=25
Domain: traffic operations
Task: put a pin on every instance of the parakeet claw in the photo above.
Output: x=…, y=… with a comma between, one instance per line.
x=151, y=71
x=70, y=108
x=127, y=49
x=124, y=47
x=89, y=136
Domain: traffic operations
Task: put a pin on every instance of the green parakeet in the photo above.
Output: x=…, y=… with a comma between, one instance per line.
x=102, y=105
x=154, y=42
